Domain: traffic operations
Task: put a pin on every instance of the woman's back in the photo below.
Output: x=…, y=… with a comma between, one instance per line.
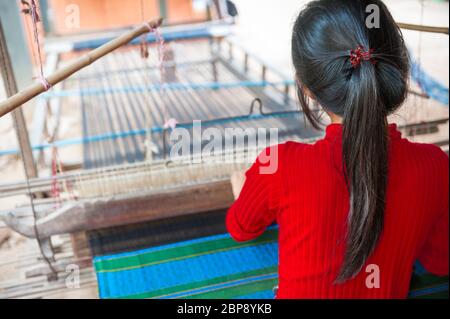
x=314, y=211
x=308, y=198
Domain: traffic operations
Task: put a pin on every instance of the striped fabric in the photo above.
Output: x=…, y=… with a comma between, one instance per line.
x=215, y=267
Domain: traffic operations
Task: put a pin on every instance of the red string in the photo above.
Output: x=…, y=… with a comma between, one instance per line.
x=36, y=20
x=160, y=40
x=169, y=122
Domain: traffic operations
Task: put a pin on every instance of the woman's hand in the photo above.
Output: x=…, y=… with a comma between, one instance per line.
x=237, y=182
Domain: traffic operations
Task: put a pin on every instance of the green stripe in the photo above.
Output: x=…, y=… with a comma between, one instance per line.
x=237, y=291
x=200, y=284
x=178, y=253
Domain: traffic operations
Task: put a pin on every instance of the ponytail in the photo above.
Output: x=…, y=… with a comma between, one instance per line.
x=364, y=155
x=334, y=54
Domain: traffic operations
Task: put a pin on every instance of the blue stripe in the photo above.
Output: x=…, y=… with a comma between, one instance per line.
x=267, y=294
x=168, y=36
x=220, y=286
x=170, y=274
x=141, y=132
x=159, y=87
x=154, y=67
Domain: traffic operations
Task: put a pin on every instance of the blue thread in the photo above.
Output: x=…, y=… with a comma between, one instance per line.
x=168, y=36
x=166, y=86
x=141, y=132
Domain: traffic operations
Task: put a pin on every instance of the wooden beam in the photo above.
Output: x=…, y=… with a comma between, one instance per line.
x=37, y=88
x=20, y=125
x=423, y=28
x=127, y=209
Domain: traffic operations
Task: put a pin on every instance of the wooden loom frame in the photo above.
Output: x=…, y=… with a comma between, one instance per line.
x=18, y=99
x=113, y=211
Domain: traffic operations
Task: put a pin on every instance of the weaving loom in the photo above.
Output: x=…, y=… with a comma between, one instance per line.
x=118, y=166
x=128, y=196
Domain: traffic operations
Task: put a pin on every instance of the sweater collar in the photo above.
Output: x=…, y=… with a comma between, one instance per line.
x=335, y=130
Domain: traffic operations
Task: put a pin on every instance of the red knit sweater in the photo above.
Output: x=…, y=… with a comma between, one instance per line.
x=308, y=198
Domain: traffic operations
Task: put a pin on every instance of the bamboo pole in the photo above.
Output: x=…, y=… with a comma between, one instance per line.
x=423, y=28
x=20, y=125
x=35, y=89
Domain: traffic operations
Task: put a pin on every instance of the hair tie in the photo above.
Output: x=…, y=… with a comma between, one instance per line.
x=360, y=54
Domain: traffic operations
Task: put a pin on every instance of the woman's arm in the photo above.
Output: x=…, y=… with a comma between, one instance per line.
x=237, y=183
x=257, y=197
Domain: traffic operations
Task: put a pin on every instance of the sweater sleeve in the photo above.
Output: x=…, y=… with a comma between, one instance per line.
x=258, y=203
x=434, y=255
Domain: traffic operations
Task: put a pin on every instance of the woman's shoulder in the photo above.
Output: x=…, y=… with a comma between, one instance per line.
x=293, y=146
x=282, y=149
x=428, y=151
x=425, y=157
x=289, y=151
x=300, y=148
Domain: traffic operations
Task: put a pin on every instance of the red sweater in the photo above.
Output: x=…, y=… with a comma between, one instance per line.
x=308, y=198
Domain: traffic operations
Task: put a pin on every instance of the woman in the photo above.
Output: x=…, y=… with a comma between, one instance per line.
x=358, y=208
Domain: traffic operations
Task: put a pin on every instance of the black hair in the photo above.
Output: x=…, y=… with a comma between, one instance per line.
x=324, y=35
